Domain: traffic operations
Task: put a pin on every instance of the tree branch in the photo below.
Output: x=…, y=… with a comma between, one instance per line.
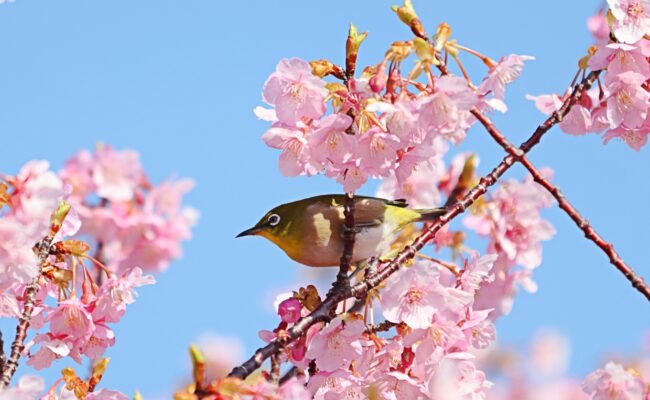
x=590, y=233
x=349, y=234
x=18, y=344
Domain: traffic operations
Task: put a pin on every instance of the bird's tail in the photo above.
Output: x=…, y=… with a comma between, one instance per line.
x=431, y=214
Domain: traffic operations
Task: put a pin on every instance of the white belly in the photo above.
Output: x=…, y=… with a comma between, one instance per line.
x=373, y=241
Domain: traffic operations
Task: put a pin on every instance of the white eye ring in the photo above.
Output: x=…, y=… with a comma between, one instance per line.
x=274, y=219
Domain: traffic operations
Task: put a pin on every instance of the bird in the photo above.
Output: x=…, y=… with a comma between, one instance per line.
x=310, y=231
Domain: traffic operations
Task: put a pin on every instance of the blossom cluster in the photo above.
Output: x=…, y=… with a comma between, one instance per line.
x=135, y=228
x=619, y=106
x=382, y=123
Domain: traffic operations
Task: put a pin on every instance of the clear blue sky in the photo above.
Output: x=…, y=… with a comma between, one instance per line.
x=178, y=80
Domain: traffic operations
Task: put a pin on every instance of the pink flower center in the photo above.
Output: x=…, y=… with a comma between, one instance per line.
x=296, y=90
x=414, y=295
x=335, y=342
x=632, y=139
x=517, y=234
x=634, y=10
x=624, y=98
x=333, y=141
x=378, y=145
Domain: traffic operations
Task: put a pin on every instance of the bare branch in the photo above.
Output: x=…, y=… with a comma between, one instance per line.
x=590, y=233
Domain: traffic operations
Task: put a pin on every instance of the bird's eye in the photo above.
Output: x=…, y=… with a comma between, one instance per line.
x=274, y=219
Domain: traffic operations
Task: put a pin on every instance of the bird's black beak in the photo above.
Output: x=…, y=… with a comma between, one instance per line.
x=252, y=231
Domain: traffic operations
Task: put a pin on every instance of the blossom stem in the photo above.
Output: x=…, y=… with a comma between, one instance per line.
x=486, y=60
x=463, y=71
x=25, y=319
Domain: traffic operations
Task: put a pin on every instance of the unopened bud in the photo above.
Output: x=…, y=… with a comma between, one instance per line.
x=406, y=13
x=56, y=220
x=352, y=49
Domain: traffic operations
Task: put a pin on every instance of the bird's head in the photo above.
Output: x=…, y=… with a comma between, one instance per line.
x=276, y=225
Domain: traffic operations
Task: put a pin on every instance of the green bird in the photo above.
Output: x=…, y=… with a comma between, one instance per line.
x=310, y=231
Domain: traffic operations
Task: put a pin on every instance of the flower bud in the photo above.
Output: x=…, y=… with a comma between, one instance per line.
x=406, y=13
x=56, y=221
x=352, y=49
x=289, y=310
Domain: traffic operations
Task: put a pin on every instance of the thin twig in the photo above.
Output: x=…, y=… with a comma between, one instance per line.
x=3, y=358
x=275, y=368
x=25, y=319
x=381, y=327
x=590, y=233
x=291, y=373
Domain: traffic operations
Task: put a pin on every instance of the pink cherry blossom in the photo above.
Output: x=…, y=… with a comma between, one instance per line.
x=28, y=388
x=116, y=174
x=329, y=141
x=414, y=295
x=499, y=294
x=51, y=348
x=397, y=385
x=102, y=338
x=511, y=219
x=337, y=385
x=337, y=344
x=18, y=263
x=597, y=25
x=417, y=187
x=295, y=158
x=619, y=58
x=479, y=331
x=635, y=138
x=350, y=175
x=627, y=101
x=377, y=151
x=294, y=389
x=632, y=19
x=458, y=380
x=116, y=293
x=503, y=73
x=71, y=318
x=577, y=122
x=477, y=271
x=614, y=382
x=447, y=110
x=295, y=92
x=403, y=120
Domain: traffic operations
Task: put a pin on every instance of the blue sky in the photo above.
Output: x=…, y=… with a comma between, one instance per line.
x=178, y=80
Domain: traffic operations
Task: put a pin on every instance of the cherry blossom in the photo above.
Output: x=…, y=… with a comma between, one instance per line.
x=632, y=19
x=336, y=345
x=295, y=92
x=614, y=382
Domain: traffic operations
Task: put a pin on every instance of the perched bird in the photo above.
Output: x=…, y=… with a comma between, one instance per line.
x=310, y=231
